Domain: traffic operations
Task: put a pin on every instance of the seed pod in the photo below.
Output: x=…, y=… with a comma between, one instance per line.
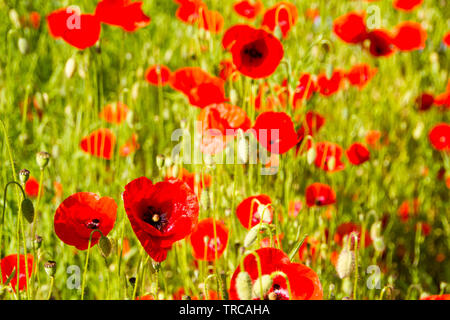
x=266, y=285
x=345, y=263
x=27, y=209
x=24, y=175
x=42, y=159
x=244, y=286
x=105, y=246
x=50, y=268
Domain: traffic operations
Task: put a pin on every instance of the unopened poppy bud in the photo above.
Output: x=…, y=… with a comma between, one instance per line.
x=378, y=244
x=331, y=163
x=242, y=148
x=175, y=171
x=264, y=284
x=70, y=67
x=42, y=159
x=375, y=230
x=244, y=286
x=159, y=161
x=23, y=45
x=14, y=17
x=345, y=263
x=24, y=175
x=50, y=268
x=186, y=297
x=253, y=234
x=38, y=241
x=311, y=155
x=27, y=209
x=347, y=286
x=105, y=246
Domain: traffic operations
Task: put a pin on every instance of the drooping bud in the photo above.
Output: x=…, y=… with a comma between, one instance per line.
x=22, y=43
x=378, y=244
x=311, y=155
x=70, y=67
x=331, y=163
x=244, y=286
x=264, y=284
x=50, y=268
x=252, y=234
x=159, y=161
x=345, y=263
x=24, y=175
x=14, y=17
x=27, y=209
x=42, y=159
x=105, y=246
x=375, y=230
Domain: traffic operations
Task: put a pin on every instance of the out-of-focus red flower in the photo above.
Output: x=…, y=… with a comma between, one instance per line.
x=158, y=75
x=201, y=88
x=32, y=187
x=114, y=113
x=437, y=297
x=312, y=14
x=304, y=282
x=254, y=209
x=256, y=53
x=8, y=265
x=276, y=241
x=122, y=13
x=345, y=229
x=360, y=75
x=248, y=8
x=283, y=14
x=304, y=90
x=80, y=214
x=309, y=248
x=407, y=5
x=440, y=137
x=160, y=214
x=130, y=146
x=373, y=137
x=212, y=295
x=407, y=207
x=275, y=131
x=58, y=188
x=312, y=123
x=328, y=157
x=410, y=36
x=227, y=70
x=266, y=101
x=357, y=154
x=425, y=101
x=79, y=30
x=208, y=236
x=145, y=297
x=195, y=181
x=425, y=228
x=35, y=19
x=211, y=21
x=381, y=43
x=328, y=87
x=351, y=27
x=319, y=194
x=446, y=39
x=190, y=11
x=294, y=208
x=99, y=143
x=443, y=99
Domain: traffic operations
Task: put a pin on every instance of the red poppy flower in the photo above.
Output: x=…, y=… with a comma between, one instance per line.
x=328, y=87
x=319, y=194
x=145, y=297
x=357, y=154
x=328, y=157
x=8, y=265
x=294, y=208
x=195, y=181
x=211, y=21
x=304, y=91
x=35, y=19
x=32, y=187
x=381, y=43
x=437, y=297
x=208, y=236
x=130, y=146
x=275, y=132
x=446, y=39
x=360, y=75
x=122, y=13
x=158, y=75
x=410, y=36
x=309, y=248
x=283, y=14
x=252, y=209
x=312, y=14
x=345, y=229
x=407, y=207
x=256, y=53
x=160, y=214
x=248, y=9
x=79, y=30
x=443, y=100
x=311, y=125
x=225, y=117
x=99, y=143
x=425, y=228
x=227, y=70
x=425, y=101
x=276, y=241
x=189, y=11
x=373, y=137
x=440, y=137
x=200, y=87
x=80, y=214
x=114, y=113
x=304, y=282
x=351, y=27
x=407, y=5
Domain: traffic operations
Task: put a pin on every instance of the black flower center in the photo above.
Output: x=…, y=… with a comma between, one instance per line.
x=254, y=53
x=155, y=217
x=93, y=224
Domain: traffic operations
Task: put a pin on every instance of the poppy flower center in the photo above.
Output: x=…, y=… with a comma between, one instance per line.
x=155, y=217
x=254, y=53
x=93, y=224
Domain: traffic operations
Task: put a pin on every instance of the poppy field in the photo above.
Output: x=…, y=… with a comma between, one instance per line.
x=225, y=150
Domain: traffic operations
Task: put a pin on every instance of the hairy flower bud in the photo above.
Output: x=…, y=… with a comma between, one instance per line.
x=345, y=263
x=27, y=209
x=244, y=286
x=266, y=281
x=105, y=246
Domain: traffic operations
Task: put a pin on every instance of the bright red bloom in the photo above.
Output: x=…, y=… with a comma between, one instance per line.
x=247, y=9
x=312, y=14
x=32, y=187
x=425, y=228
x=35, y=19
x=190, y=10
x=443, y=99
x=446, y=39
x=80, y=214
x=283, y=14
x=351, y=27
x=425, y=101
x=328, y=87
x=79, y=30
x=252, y=209
x=201, y=88
x=328, y=157
x=99, y=143
x=122, y=13
x=311, y=125
x=157, y=75
x=373, y=137
x=304, y=91
x=160, y=214
x=204, y=239
x=304, y=282
x=407, y=5
x=309, y=248
x=440, y=137
x=227, y=70
x=357, y=154
x=359, y=75
x=319, y=194
x=9, y=264
x=195, y=181
x=146, y=297
x=381, y=43
x=256, y=53
x=114, y=113
x=130, y=146
x=345, y=229
x=275, y=131
x=437, y=297
x=407, y=207
x=410, y=36
x=211, y=21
